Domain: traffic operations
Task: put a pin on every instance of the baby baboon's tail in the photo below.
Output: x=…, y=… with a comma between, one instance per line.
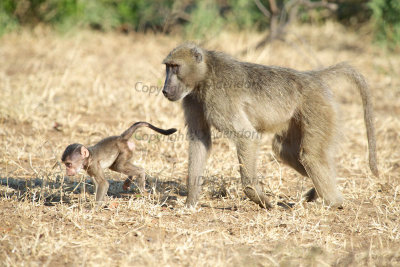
x=128, y=133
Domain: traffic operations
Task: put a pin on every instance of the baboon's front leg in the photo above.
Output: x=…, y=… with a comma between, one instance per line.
x=198, y=151
x=199, y=147
x=101, y=184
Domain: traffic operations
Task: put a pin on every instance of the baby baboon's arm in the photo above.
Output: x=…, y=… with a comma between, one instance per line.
x=101, y=184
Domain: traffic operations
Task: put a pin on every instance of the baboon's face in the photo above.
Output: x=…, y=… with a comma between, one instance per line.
x=185, y=68
x=174, y=86
x=73, y=164
x=74, y=158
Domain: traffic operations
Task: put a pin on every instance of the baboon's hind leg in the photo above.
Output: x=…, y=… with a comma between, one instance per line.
x=132, y=171
x=247, y=151
x=316, y=152
x=122, y=165
x=286, y=146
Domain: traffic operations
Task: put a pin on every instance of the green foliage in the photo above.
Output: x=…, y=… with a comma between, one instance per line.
x=142, y=14
x=205, y=20
x=7, y=22
x=245, y=15
x=386, y=21
x=353, y=12
x=27, y=12
x=98, y=14
x=199, y=18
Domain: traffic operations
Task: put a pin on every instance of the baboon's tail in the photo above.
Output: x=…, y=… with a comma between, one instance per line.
x=128, y=133
x=358, y=79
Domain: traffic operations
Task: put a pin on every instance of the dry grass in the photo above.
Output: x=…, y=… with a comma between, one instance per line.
x=81, y=88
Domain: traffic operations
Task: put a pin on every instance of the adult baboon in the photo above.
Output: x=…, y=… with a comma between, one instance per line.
x=240, y=97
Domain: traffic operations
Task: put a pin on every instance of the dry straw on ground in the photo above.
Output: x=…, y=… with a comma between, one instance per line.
x=80, y=88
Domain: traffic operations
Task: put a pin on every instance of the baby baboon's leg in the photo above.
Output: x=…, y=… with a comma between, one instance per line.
x=101, y=184
x=127, y=183
x=315, y=152
x=286, y=146
x=247, y=150
x=132, y=171
x=101, y=190
x=122, y=165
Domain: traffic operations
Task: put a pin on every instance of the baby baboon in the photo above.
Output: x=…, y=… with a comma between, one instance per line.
x=241, y=98
x=112, y=152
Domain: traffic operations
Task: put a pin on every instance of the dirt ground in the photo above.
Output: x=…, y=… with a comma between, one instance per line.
x=56, y=90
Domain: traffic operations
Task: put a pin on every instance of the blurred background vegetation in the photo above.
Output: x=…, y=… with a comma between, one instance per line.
x=202, y=19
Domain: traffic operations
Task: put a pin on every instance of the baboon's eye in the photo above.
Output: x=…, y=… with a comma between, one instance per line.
x=175, y=69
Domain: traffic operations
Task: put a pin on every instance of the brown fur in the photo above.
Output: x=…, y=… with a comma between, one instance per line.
x=235, y=96
x=112, y=152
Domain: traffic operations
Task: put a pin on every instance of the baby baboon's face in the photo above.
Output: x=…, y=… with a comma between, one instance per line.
x=73, y=158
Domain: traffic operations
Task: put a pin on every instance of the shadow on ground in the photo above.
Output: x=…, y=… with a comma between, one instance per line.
x=63, y=189
x=68, y=191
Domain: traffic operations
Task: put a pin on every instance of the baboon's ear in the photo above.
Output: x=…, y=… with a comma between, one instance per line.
x=197, y=54
x=84, y=152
